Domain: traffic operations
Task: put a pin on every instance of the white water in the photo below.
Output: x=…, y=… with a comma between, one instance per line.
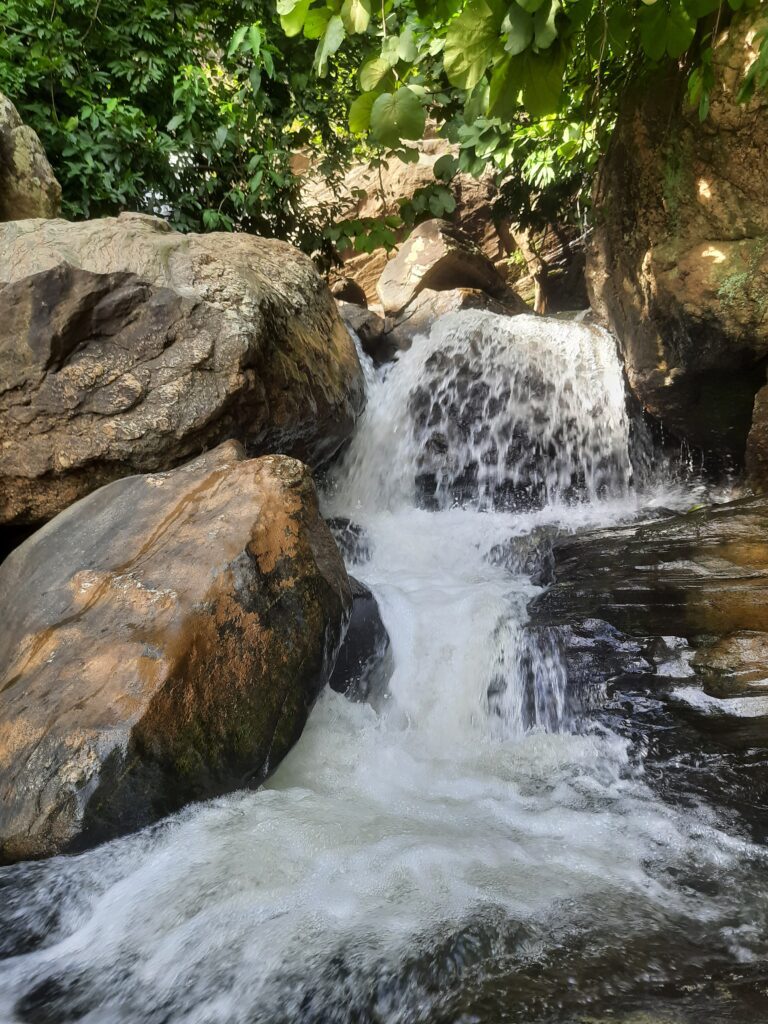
x=384, y=836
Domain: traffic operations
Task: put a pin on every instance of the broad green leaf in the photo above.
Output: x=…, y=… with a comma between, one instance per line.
x=445, y=167
x=360, y=113
x=356, y=14
x=701, y=8
x=470, y=44
x=396, y=116
x=653, y=27
x=406, y=46
x=292, y=21
x=331, y=41
x=543, y=81
x=376, y=73
x=237, y=40
x=545, y=31
x=681, y=28
x=316, y=22
x=390, y=50
x=254, y=38
x=530, y=5
x=506, y=83
x=518, y=25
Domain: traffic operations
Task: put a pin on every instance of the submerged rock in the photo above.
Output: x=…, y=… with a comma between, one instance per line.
x=162, y=641
x=127, y=347
x=28, y=186
x=364, y=665
x=679, y=260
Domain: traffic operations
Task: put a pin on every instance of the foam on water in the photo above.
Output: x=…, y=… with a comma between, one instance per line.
x=344, y=890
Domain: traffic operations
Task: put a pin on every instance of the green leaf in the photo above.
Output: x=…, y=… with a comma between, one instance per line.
x=545, y=31
x=506, y=83
x=530, y=5
x=375, y=74
x=316, y=22
x=254, y=38
x=396, y=116
x=176, y=122
x=292, y=20
x=445, y=167
x=406, y=46
x=237, y=40
x=681, y=28
x=356, y=15
x=331, y=41
x=470, y=44
x=518, y=25
x=701, y=8
x=360, y=113
x=653, y=25
x=543, y=81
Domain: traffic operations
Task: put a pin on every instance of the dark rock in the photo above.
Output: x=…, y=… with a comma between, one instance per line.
x=364, y=665
x=683, y=598
x=163, y=641
x=344, y=289
x=354, y=543
x=371, y=329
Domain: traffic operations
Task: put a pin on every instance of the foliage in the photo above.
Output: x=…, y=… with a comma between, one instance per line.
x=191, y=110
x=530, y=87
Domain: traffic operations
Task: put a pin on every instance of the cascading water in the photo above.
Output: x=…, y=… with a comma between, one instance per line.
x=463, y=854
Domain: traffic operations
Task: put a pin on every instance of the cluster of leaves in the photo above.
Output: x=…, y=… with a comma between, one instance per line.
x=530, y=87
x=192, y=110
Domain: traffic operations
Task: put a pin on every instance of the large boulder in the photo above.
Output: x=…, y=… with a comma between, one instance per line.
x=28, y=186
x=683, y=597
x=126, y=347
x=161, y=640
x=417, y=317
x=757, y=443
x=679, y=261
x=439, y=256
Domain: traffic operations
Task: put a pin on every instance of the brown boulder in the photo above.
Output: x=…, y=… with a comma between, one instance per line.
x=679, y=261
x=162, y=640
x=757, y=443
x=439, y=256
x=418, y=317
x=126, y=347
x=28, y=186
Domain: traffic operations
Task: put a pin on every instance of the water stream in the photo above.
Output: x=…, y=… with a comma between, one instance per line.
x=473, y=849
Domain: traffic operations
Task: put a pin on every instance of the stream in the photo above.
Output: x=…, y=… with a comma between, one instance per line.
x=473, y=847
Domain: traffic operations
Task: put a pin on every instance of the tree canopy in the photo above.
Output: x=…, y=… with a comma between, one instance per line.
x=195, y=110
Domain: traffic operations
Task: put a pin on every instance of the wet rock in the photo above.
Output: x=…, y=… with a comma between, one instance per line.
x=418, y=317
x=345, y=289
x=126, y=347
x=757, y=443
x=28, y=186
x=439, y=256
x=364, y=665
x=679, y=260
x=371, y=329
x=162, y=641
x=352, y=539
x=530, y=555
x=683, y=598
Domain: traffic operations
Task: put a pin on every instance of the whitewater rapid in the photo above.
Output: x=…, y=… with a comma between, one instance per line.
x=473, y=827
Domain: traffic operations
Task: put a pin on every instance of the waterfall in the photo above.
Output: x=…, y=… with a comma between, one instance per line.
x=460, y=853
x=494, y=412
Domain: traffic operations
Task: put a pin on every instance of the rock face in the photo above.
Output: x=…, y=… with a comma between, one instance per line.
x=162, y=641
x=669, y=598
x=679, y=262
x=418, y=317
x=757, y=443
x=28, y=186
x=439, y=256
x=126, y=347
